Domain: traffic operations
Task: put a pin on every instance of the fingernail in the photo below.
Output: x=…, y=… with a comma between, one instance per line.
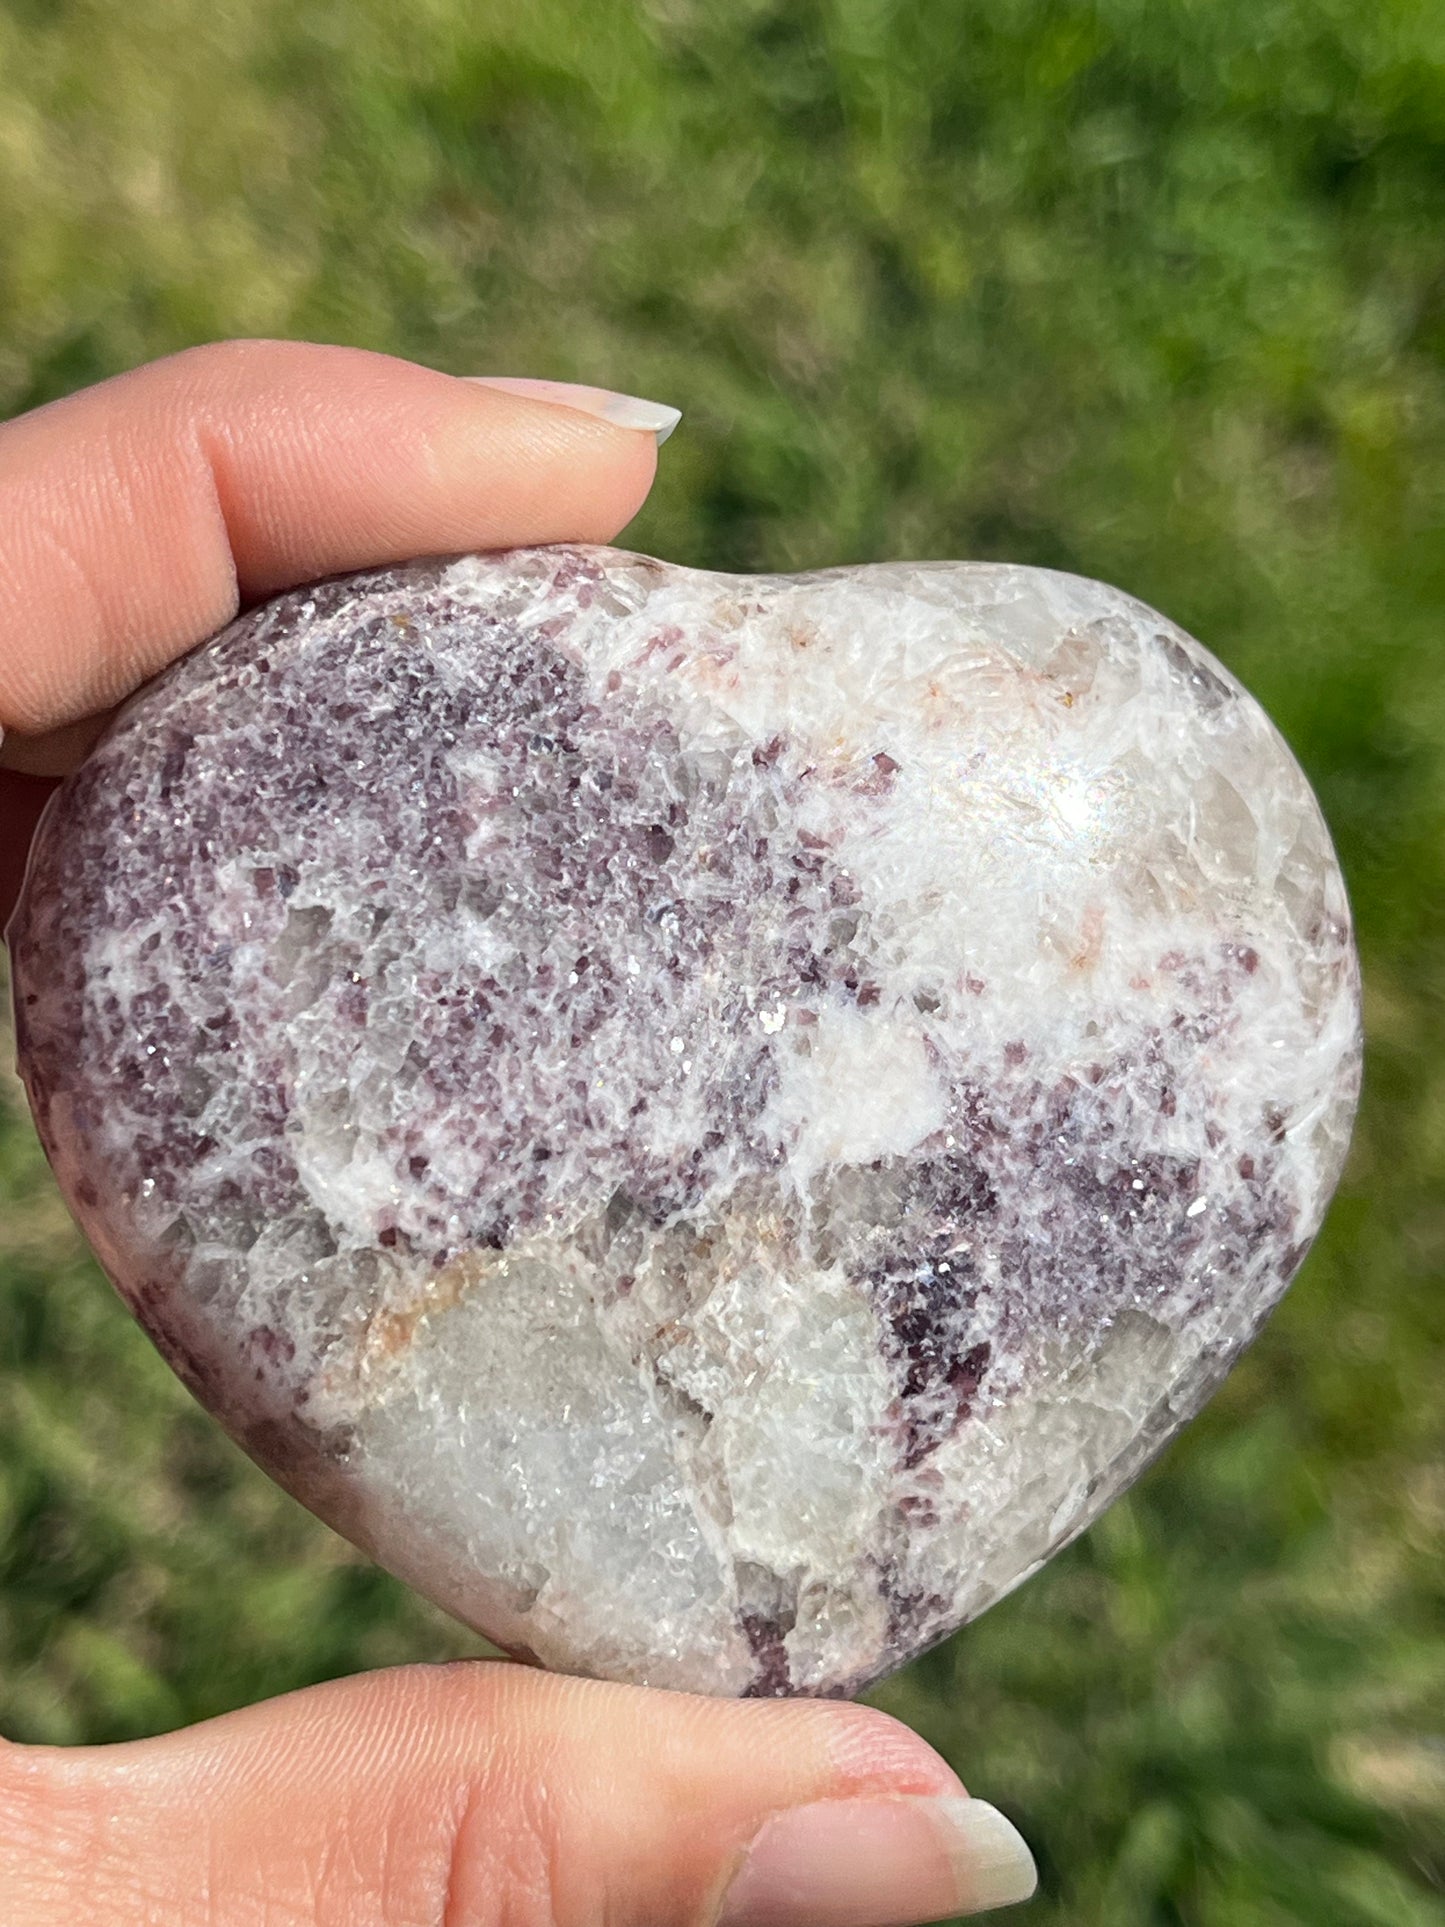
x=879, y=1863
x=626, y=411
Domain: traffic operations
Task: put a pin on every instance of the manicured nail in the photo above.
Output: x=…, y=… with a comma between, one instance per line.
x=626, y=411
x=879, y=1863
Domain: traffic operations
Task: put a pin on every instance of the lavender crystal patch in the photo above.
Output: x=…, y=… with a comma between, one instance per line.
x=710, y=1123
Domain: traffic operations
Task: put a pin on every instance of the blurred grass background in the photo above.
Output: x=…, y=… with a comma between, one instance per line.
x=1149, y=289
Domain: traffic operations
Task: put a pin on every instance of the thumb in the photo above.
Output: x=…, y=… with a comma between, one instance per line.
x=141, y=512
x=488, y=1792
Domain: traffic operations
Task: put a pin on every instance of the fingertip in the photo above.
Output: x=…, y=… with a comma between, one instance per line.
x=577, y=474
x=655, y=418
x=878, y=1863
x=869, y=1749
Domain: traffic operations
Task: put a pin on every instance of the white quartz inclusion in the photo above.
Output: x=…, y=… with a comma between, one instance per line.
x=721, y=1119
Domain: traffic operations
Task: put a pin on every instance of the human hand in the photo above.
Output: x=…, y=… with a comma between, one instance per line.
x=139, y=515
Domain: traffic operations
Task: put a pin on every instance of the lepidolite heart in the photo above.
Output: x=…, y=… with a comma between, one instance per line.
x=710, y=1123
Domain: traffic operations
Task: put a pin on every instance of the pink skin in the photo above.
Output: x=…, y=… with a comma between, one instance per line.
x=140, y=515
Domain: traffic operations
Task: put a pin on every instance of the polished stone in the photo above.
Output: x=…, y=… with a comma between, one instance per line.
x=711, y=1123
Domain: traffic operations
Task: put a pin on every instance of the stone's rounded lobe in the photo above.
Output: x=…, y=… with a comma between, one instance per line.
x=711, y=1123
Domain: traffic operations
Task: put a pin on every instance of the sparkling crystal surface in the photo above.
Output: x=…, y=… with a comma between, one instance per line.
x=710, y=1123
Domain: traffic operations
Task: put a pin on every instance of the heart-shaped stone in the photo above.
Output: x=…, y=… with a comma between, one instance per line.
x=710, y=1123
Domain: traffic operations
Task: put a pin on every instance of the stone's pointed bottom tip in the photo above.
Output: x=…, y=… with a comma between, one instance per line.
x=711, y=1123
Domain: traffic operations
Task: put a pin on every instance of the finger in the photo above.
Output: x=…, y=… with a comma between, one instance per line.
x=490, y=1792
x=141, y=512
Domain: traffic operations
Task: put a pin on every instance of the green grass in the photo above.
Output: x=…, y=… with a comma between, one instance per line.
x=1150, y=289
